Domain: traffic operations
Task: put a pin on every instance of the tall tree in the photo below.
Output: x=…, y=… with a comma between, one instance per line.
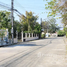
x=58, y=7
x=45, y=25
x=29, y=21
x=37, y=28
x=50, y=25
x=4, y=19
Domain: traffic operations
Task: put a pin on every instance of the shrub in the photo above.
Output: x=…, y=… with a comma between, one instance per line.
x=61, y=33
x=66, y=35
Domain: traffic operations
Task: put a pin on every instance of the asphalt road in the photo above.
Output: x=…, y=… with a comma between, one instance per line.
x=48, y=52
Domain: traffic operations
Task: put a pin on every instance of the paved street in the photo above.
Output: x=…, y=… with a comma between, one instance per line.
x=50, y=52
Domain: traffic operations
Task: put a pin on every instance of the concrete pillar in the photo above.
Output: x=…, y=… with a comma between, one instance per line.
x=25, y=35
x=29, y=35
x=17, y=36
x=32, y=34
x=22, y=35
x=36, y=35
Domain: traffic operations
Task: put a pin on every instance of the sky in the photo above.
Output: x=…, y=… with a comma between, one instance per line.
x=36, y=6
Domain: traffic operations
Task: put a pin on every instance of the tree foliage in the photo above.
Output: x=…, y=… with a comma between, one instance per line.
x=37, y=28
x=4, y=19
x=29, y=22
x=50, y=24
x=61, y=33
x=5, y=22
x=58, y=7
x=17, y=26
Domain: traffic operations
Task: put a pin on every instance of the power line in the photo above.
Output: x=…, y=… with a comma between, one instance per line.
x=19, y=5
x=37, y=7
x=4, y=6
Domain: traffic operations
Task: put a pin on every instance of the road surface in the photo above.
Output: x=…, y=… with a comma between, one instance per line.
x=48, y=52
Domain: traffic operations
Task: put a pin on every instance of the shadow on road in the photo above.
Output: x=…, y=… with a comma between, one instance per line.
x=31, y=43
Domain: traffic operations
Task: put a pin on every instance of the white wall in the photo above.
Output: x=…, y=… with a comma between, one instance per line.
x=31, y=38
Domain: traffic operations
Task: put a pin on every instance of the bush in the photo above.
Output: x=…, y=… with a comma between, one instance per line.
x=66, y=35
x=61, y=33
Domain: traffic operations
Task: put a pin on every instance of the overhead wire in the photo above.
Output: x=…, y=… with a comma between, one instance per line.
x=19, y=5
x=37, y=7
x=9, y=8
x=4, y=5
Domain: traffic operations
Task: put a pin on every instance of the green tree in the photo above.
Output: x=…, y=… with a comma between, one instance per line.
x=45, y=25
x=53, y=26
x=17, y=26
x=29, y=21
x=61, y=33
x=58, y=7
x=37, y=28
x=4, y=19
x=50, y=25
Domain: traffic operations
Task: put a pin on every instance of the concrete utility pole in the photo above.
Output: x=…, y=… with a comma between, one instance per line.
x=41, y=23
x=41, y=28
x=12, y=20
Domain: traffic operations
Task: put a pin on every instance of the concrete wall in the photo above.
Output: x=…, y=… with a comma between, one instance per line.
x=30, y=37
x=26, y=38
x=15, y=40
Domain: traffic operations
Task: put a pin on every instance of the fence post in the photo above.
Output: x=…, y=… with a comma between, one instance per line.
x=29, y=35
x=25, y=35
x=32, y=34
x=36, y=35
x=17, y=36
x=22, y=35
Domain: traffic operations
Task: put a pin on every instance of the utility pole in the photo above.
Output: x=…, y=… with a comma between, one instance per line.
x=41, y=28
x=12, y=20
x=41, y=23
